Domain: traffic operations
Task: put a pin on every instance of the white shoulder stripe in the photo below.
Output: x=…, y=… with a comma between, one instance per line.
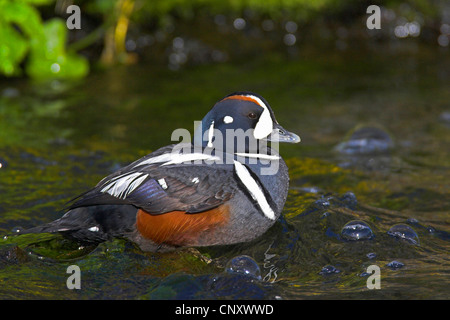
x=177, y=158
x=121, y=186
x=258, y=156
x=255, y=191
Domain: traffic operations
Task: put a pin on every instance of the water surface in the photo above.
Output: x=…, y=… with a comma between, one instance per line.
x=58, y=139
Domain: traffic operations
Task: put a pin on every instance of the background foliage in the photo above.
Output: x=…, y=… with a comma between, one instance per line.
x=35, y=42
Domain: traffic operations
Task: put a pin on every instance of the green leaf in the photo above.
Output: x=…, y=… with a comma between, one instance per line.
x=49, y=59
x=25, y=17
x=37, y=2
x=13, y=48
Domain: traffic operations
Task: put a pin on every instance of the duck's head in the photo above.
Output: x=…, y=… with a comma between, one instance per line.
x=240, y=122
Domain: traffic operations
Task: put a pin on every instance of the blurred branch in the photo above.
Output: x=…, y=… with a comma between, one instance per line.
x=114, y=43
x=89, y=39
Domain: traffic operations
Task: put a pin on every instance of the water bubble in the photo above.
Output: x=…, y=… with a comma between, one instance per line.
x=10, y=92
x=404, y=232
x=443, y=40
x=145, y=40
x=291, y=27
x=349, y=200
x=342, y=33
x=130, y=45
x=329, y=269
x=55, y=68
x=401, y=31
x=356, y=230
x=341, y=44
x=431, y=230
x=325, y=214
x=445, y=116
x=178, y=43
x=244, y=265
x=268, y=25
x=395, y=265
x=413, y=28
x=412, y=220
x=17, y=230
x=289, y=39
x=445, y=29
x=218, y=56
x=388, y=14
x=310, y=189
x=323, y=202
x=239, y=23
x=371, y=255
x=220, y=19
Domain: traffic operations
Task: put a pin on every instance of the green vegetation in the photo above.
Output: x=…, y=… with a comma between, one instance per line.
x=23, y=34
x=34, y=36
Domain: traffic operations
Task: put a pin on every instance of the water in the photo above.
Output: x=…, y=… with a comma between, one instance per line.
x=57, y=140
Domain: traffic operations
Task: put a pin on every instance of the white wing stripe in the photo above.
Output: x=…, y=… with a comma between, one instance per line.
x=121, y=186
x=136, y=183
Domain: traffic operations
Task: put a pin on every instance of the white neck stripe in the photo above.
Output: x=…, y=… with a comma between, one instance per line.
x=254, y=189
x=210, y=135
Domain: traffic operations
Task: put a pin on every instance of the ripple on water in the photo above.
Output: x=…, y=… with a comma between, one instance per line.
x=356, y=230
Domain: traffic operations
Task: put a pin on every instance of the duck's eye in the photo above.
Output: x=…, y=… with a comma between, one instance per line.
x=252, y=115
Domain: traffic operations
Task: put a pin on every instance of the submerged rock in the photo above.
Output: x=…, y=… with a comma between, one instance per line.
x=366, y=140
x=12, y=254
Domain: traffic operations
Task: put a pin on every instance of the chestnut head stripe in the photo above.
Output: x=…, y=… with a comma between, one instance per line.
x=264, y=126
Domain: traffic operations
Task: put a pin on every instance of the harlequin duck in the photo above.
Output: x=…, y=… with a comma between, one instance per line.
x=226, y=187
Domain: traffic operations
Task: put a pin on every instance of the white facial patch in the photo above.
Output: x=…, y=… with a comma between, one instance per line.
x=264, y=126
x=254, y=189
x=228, y=119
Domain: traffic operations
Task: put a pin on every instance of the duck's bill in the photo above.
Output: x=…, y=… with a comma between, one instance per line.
x=279, y=134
